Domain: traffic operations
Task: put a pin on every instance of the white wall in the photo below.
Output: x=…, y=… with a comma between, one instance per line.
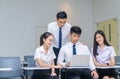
x=18, y=19
x=105, y=10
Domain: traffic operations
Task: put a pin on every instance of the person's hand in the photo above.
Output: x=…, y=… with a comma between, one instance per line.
x=53, y=74
x=94, y=74
x=59, y=66
x=52, y=66
x=67, y=64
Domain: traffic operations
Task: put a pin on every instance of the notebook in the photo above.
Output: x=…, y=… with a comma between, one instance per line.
x=80, y=60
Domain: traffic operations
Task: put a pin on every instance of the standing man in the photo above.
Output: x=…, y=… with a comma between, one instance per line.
x=60, y=30
x=74, y=47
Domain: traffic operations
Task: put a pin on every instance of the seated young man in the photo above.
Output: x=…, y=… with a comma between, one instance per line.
x=74, y=47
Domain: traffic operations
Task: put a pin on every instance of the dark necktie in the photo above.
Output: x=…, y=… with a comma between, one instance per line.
x=74, y=50
x=60, y=38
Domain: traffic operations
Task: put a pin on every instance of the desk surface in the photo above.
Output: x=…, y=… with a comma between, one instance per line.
x=76, y=67
x=35, y=68
x=5, y=69
x=43, y=68
x=108, y=67
x=96, y=67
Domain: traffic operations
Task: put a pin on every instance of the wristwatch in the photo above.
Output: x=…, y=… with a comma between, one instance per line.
x=107, y=64
x=93, y=70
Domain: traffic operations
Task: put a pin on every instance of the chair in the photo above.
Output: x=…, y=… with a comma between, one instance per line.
x=29, y=59
x=11, y=62
x=117, y=62
x=12, y=78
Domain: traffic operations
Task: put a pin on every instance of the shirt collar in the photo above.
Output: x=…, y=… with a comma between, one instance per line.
x=71, y=44
x=59, y=27
x=105, y=48
x=43, y=51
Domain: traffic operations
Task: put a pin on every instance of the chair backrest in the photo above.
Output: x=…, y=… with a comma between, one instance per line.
x=12, y=78
x=30, y=60
x=11, y=62
x=117, y=60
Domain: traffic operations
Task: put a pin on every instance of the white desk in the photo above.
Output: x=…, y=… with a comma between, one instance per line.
x=35, y=68
x=108, y=67
x=5, y=69
x=96, y=67
x=77, y=67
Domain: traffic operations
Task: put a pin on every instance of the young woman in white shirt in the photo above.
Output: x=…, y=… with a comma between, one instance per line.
x=44, y=57
x=103, y=55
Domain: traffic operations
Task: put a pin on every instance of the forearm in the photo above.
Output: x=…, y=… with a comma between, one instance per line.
x=101, y=65
x=111, y=64
x=41, y=64
x=52, y=66
x=67, y=64
x=53, y=70
x=44, y=65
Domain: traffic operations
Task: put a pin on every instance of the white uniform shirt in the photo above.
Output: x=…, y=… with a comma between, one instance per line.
x=54, y=29
x=46, y=58
x=67, y=51
x=105, y=54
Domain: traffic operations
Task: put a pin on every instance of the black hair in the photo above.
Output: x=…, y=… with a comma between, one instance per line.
x=44, y=36
x=76, y=30
x=95, y=44
x=61, y=15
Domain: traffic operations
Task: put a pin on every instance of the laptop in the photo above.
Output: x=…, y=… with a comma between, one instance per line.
x=80, y=61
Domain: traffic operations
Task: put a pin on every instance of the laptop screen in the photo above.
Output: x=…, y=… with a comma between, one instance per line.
x=80, y=60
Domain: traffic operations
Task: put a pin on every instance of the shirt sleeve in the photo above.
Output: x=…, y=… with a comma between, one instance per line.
x=91, y=63
x=37, y=54
x=68, y=38
x=112, y=52
x=53, y=55
x=92, y=52
x=49, y=28
x=61, y=57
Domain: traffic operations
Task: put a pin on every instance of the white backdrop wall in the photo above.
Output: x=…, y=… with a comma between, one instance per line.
x=19, y=18
x=105, y=10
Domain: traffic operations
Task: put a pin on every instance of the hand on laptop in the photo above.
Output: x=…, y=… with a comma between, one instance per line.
x=67, y=64
x=58, y=66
